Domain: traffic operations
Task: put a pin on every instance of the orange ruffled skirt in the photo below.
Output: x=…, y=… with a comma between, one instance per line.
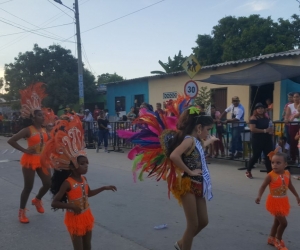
x=186, y=186
x=278, y=206
x=79, y=224
x=30, y=161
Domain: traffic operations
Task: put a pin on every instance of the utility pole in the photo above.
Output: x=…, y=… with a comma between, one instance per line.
x=80, y=68
x=79, y=62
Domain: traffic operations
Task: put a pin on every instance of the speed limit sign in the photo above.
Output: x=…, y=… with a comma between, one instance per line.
x=191, y=89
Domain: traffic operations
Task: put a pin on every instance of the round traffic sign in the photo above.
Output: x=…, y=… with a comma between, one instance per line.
x=191, y=89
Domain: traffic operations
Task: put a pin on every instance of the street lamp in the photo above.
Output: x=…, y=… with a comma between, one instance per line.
x=80, y=68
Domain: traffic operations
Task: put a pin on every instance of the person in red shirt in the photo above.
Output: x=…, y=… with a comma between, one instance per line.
x=96, y=113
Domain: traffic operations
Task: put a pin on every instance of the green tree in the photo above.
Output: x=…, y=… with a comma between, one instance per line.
x=243, y=37
x=106, y=78
x=172, y=65
x=203, y=97
x=56, y=67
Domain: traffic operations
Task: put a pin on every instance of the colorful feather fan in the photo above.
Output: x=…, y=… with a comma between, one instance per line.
x=151, y=143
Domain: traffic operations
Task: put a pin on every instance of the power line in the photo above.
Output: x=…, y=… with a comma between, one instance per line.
x=28, y=22
x=118, y=18
x=18, y=39
x=34, y=32
x=6, y=2
x=124, y=16
x=36, y=29
x=86, y=58
x=60, y=9
x=26, y=28
x=75, y=40
x=84, y=2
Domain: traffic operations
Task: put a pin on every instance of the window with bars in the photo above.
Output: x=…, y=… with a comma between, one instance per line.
x=169, y=95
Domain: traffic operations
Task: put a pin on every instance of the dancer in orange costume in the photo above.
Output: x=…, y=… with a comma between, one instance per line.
x=279, y=181
x=50, y=119
x=31, y=99
x=65, y=153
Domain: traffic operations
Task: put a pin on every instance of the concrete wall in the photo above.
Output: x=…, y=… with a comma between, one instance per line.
x=176, y=83
x=276, y=101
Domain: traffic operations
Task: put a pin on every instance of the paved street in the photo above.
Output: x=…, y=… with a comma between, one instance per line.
x=125, y=219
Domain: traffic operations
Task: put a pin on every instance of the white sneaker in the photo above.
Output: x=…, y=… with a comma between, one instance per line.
x=177, y=246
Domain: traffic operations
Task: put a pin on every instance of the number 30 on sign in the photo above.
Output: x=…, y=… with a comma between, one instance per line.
x=191, y=89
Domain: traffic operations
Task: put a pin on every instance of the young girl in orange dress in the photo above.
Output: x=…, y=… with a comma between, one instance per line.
x=65, y=153
x=31, y=99
x=279, y=181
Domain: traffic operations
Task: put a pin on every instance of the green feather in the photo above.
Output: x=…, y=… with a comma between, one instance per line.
x=136, y=160
x=141, y=173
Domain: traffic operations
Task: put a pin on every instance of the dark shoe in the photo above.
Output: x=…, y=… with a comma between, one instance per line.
x=238, y=155
x=249, y=175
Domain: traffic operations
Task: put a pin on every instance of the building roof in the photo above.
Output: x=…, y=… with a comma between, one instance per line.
x=283, y=54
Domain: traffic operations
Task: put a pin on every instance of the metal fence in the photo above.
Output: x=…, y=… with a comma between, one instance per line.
x=117, y=144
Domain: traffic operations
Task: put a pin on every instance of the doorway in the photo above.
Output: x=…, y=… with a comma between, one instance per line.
x=120, y=103
x=219, y=98
x=138, y=100
x=261, y=94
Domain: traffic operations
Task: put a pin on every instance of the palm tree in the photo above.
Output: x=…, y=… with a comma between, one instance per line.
x=172, y=65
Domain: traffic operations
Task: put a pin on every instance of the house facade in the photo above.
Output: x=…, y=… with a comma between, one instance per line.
x=160, y=88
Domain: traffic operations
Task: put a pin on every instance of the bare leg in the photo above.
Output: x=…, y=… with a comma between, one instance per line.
x=46, y=180
x=190, y=209
x=282, y=226
x=28, y=175
x=87, y=241
x=77, y=242
x=274, y=227
x=202, y=214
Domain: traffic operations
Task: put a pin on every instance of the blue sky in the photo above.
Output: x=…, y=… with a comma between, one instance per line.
x=130, y=46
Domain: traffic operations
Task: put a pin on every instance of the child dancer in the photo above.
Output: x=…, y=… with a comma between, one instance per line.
x=31, y=101
x=279, y=181
x=65, y=153
x=177, y=157
x=187, y=154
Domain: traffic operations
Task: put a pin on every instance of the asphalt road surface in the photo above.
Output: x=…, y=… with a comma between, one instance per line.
x=126, y=219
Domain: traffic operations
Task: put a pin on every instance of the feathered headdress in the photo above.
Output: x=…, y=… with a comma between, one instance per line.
x=31, y=99
x=49, y=115
x=150, y=153
x=176, y=107
x=65, y=145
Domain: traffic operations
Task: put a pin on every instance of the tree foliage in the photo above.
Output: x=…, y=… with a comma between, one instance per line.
x=203, y=97
x=106, y=78
x=243, y=37
x=56, y=67
x=173, y=65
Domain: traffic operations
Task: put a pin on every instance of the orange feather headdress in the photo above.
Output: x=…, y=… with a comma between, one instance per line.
x=49, y=115
x=31, y=99
x=65, y=145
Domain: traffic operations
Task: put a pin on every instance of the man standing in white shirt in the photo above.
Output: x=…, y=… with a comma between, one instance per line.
x=237, y=120
x=88, y=125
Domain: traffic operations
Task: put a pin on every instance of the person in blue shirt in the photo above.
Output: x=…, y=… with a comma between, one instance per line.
x=237, y=120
